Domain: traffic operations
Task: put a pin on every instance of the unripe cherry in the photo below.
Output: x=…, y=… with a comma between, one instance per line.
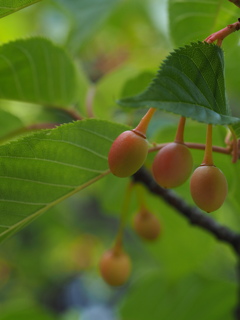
x=127, y=154
x=172, y=165
x=208, y=187
x=115, y=267
x=129, y=151
x=208, y=184
x=146, y=225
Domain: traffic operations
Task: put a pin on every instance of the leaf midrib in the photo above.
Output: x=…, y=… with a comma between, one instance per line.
x=53, y=203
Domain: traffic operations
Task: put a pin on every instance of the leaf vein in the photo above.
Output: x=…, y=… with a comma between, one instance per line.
x=54, y=202
x=24, y=202
x=55, y=161
x=33, y=69
x=16, y=79
x=38, y=182
x=97, y=134
x=75, y=145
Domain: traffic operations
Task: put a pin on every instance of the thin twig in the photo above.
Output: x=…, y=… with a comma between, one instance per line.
x=223, y=33
x=193, y=145
x=89, y=101
x=192, y=214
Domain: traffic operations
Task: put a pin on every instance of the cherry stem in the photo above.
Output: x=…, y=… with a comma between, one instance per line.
x=201, y=146
x=143, y=124
x=126, y=202
x=180, y=131
x=234, y=147
x=140, y=196
x=223, y=33
x=208, y=158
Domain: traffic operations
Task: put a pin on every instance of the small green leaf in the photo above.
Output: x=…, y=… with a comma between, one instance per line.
x=41, y=170
x=190, y=82
x=35, y=70
x=7, y=7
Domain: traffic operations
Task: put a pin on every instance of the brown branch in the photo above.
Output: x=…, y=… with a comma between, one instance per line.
x=192, y=214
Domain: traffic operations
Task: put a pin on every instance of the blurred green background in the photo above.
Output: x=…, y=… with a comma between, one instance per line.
x=49, y=270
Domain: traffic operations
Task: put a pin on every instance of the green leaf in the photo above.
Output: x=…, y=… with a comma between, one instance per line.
x=190, y=82
x=86, y=17
x=7, y=7
x=43, y=169
x=35, y=70
x=196, y=20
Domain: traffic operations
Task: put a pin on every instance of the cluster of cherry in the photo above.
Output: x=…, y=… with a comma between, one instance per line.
x=172, y=166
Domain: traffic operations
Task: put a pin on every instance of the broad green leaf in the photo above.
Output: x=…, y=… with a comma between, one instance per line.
x=190, y=82
x=35, y=70
x=7, y=7
x=41, y=170
x=86, y=16
x=196, y=20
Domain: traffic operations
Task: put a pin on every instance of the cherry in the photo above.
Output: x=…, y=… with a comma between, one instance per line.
x=127, y=154
x=172, y=165
x=115, y=267
x=146, y=225
x=208, y=187
x=208, y=184
x=129, y=150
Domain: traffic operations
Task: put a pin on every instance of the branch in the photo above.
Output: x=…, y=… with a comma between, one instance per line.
x=192, y=214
